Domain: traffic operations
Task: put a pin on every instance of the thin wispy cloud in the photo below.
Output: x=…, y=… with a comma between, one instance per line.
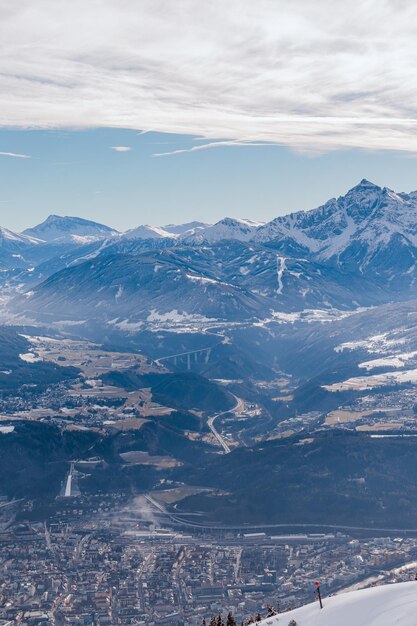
x=300, y=74
x=121, y=148
x=15, y=155
x=208, y=146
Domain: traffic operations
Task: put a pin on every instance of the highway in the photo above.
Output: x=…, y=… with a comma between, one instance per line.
x=222, y=442
x=210, y=422
x=288, y=528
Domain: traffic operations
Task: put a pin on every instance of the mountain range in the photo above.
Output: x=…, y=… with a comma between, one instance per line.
x=311, y=314
x=359, y=250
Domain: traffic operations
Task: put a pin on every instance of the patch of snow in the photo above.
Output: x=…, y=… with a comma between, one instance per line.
x=396, y=436
x=280, y=272
x=203, y=279
x=281, y=316
x=5, y=430
x=398, y=360
x=309, y=316
x=69, y=323
x=377, y=344
x=126, y=325
x=175, y=316
x=93, y=382
x=360, y=383
x=83, y=239
x=29, y=357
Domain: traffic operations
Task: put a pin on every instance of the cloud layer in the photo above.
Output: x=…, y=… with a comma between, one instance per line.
x=314, y=76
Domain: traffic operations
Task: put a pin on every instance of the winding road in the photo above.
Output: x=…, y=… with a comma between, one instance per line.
x=210, y=422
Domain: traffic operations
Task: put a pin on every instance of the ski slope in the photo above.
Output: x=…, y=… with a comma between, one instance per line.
x=387, y=605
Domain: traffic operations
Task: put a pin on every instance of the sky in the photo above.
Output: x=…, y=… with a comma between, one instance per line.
x=151, y=111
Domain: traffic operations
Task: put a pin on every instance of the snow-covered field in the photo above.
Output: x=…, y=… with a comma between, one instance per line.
x=377, y=344
x=398, y=360
x=29, y=357
x=386, y=605
x=360, y=383
x=309, y=316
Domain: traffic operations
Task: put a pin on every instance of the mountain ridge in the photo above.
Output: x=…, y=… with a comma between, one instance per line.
x=343, y=219
x=357, y=250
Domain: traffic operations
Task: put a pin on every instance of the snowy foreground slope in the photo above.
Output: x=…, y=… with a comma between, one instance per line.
x=386, y=605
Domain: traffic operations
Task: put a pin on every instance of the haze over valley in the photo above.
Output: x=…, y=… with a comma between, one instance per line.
x=182, y=347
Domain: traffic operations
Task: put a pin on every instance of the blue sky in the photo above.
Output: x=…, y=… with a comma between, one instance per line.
x=78, y=173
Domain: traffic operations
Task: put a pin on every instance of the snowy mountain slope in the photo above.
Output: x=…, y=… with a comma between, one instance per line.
x=378, y=606
x=288, y=282
x=227, y=228
x=69, y=230
x=171, y=231
x=8, y=237
x=370, y=231
x=329, y=228
x=147, y=232
x=16, y=251
x=367, y=217
x=58, y=256
x=180, y=229
x=129, y=286
x=229, y=278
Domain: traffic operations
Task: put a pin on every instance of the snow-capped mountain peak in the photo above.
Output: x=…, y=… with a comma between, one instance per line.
x=7, y=235
x=365, y=185
x=148, y=232
x=67, y=229
x=227, y=228
x=361, y=199
x=366, y=217
x=180, y=229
